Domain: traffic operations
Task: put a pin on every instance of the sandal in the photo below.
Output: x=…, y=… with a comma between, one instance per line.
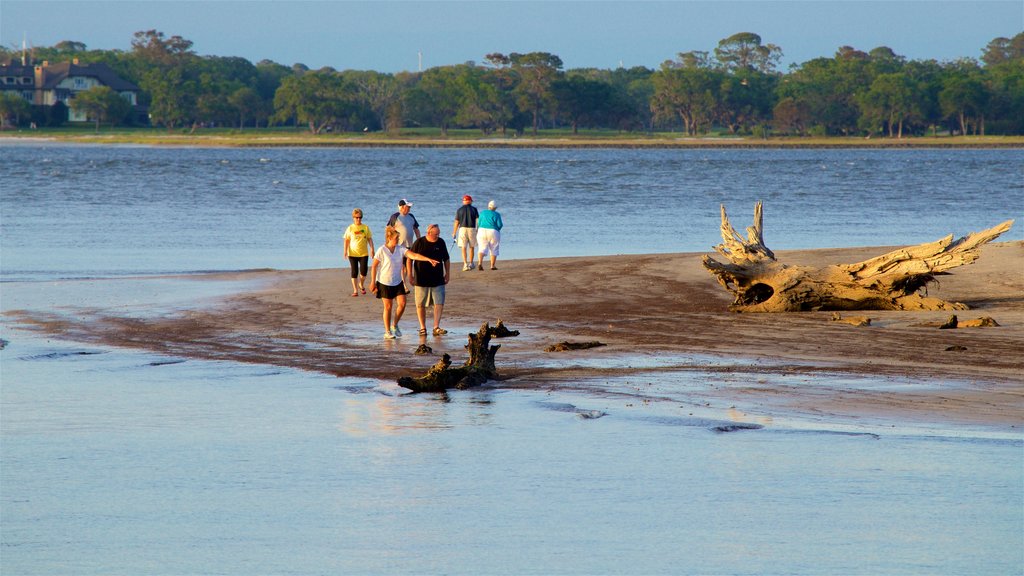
x=494, y=267
x=363, y=289
x=423, y=331
x=439, y=331
x=354, y=294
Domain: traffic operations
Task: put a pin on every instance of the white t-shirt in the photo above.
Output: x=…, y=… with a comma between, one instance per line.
x=389, y=271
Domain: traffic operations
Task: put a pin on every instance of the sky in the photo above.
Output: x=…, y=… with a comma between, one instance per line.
x=392, y=36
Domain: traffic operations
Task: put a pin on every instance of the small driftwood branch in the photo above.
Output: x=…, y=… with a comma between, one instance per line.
x=479, y=368
x=567, y=346
x=892, y=281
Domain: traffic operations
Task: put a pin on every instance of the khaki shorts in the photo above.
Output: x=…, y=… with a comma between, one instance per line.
x=427, y=295
x=466, y=237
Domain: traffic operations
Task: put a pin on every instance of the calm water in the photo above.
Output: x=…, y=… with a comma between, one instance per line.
x=92, y=210
x=124, y=462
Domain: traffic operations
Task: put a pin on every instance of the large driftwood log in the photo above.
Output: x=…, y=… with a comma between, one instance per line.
x=479, y=368
x=893, y=281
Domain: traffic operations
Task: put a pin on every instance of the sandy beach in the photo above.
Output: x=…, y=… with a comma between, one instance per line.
x=641, y=306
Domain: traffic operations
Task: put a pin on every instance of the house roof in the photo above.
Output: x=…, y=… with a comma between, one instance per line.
x=55, y=73
x=16, y=70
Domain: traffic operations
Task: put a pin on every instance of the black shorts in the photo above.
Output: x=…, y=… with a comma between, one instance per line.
x=390, y=292
x=358, y=264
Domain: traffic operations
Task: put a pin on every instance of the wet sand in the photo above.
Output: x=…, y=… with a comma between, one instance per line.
x=643, y=307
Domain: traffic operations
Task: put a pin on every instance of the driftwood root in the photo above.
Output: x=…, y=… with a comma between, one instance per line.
x=893, y=281
x=479, y=368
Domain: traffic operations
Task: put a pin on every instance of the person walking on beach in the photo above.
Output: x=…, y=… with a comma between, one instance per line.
x=429, y=281
x=388, y=273
x=405, y=223
x=464, y=230
x=358, y=247
x=488, y=234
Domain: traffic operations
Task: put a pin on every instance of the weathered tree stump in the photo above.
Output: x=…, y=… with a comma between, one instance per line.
x=893, y=281
x=479, y=368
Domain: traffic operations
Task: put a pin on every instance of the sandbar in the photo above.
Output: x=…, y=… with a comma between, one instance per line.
x=650, y=306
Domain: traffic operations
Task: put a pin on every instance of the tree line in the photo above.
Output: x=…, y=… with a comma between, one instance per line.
x=736, y=87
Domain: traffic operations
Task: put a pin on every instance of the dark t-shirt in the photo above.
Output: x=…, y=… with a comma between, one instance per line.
x=427, y=275
x=467, y=216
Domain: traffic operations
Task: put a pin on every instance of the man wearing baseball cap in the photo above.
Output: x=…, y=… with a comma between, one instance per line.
x=405, y=223
x=464, y=231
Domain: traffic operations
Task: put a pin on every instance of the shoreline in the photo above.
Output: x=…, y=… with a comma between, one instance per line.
x=665, y=316
x=257, y=140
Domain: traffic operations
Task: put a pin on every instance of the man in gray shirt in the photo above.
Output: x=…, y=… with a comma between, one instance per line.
x=405, y=223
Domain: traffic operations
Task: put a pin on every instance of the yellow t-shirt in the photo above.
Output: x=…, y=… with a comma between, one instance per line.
x=357, y=235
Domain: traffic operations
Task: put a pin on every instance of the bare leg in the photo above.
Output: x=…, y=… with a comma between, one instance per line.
x=387, y=313
x=399, y=308
x=438, y=308
x=421, y=315
x=354, y=289
x=493, y=260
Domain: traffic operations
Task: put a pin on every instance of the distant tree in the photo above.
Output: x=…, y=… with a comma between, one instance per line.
x=173, y=97
x=827, y=88
x=1005, y=82
x=686, y=94
x=891, y=100
x=745, y=98
x=316, y=99
x=536, y=71
x=504, y=79
x=377, y=92
x=578, y=100
x=437, y=97
x=247, y=104
x=639, y=94
x=883, y=60
x=964, y=98
x=693, y=59
x=152, y=47
x=1001, y=50
x=12, y=109
x=101, y=104
x=744, y=51
x=481, y=103
x=268, y=77
x=70, y=46
x=791, y=116
x=851, y=53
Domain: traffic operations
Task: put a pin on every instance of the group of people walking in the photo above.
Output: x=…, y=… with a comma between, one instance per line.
x=473, y=229
x=422, y=261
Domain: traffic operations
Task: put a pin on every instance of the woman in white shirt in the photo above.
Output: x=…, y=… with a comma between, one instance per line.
x=388, y=273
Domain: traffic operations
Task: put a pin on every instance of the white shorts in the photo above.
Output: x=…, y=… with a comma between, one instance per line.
x=467, y=235
x=488, y=240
